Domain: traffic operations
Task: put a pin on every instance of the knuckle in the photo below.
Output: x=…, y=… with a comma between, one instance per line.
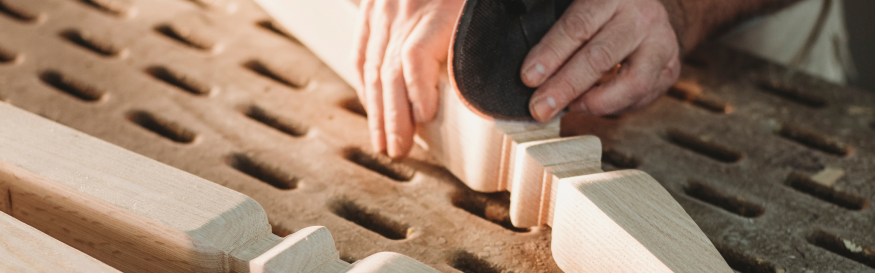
x=597, y=107
x=578, y=25
x=410, y=52
x=390, y=71
x=567, y=91
x=639, y=88
x=371, y=76
x=600, y=57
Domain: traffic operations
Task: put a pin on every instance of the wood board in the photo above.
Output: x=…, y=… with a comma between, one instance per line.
x=26, y=249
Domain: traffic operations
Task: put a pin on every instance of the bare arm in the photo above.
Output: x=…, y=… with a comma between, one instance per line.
x=697, y=20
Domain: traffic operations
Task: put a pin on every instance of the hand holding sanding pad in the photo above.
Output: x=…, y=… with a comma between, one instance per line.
x=491, y=41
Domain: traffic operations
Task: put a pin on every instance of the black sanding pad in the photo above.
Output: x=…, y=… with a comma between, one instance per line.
x=491, y=41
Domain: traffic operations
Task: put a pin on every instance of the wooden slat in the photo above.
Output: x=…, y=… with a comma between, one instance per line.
x=26, y=249
x=127, y=210
x=312, y=250
x=625, y=221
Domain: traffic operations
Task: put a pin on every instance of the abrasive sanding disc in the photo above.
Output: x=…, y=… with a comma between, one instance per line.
x=491, y=41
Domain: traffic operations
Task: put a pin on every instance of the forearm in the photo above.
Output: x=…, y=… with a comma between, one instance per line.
x=696, y=20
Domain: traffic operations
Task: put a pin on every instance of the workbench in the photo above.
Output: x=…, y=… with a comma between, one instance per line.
x=216, y=89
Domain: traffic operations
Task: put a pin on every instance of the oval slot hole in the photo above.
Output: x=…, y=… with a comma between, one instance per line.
x=794, y=94
x=7, y=56
x=280, y=231
x=180, y=80
x=262, y=171
x=619, y=160
x=703, y=101
x=844, y=247
x=370, y=219
x=808, y=186
x=469, y=263
x=18, y=13
x=702, y=146
x=353, y=105
x=275, y=73
x=492, y=207
x=112, y=7
x=733, y=204
x=272, y=120
x=275, y=28
x=186, y=36
x=91, y=43
x=814, y=141
x=380, y=163
x=744, y=263
x=71, y=86
x=163, y=127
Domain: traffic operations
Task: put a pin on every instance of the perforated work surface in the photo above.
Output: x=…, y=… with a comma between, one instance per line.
x=207, y=87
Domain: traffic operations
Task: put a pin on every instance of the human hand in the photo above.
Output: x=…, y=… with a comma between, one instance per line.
x=589, y=40
x=401, y=48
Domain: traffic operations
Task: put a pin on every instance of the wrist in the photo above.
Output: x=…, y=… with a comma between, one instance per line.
x=680, y=22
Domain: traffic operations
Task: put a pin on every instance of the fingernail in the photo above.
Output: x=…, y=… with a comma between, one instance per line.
x=392, y=146
x=543, y=108
x=581, y=107
x=535, y=73
x=417, y=113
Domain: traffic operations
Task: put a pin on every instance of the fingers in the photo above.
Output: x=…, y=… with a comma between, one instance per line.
x=365, y=8
x=421, y=57
x=581, y=21
x=373, y=86
x=648, y=73
x=604, y=51
x=398, y=122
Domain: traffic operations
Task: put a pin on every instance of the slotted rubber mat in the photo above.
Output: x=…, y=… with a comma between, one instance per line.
x=214, y=88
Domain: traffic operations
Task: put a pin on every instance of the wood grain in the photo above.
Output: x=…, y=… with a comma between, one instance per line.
x=26, y=249
x=532, y=183
x=102, y=200
x=625, y=221
x=312, y=250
